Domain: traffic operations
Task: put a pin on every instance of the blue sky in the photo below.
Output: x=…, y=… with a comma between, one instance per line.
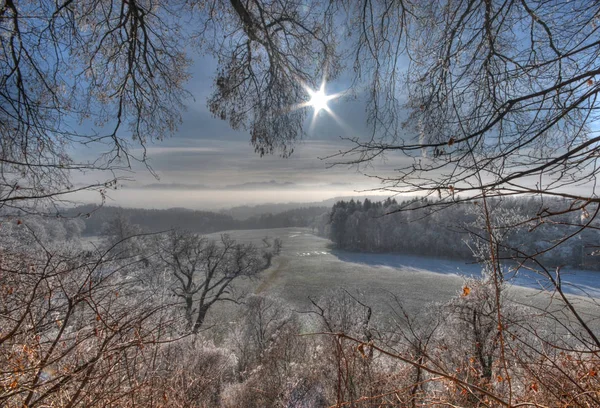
x=207, y=165
x=205, y=162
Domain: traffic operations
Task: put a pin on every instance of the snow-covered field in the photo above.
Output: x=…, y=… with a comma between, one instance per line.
x=578, y=282
x=308, y=267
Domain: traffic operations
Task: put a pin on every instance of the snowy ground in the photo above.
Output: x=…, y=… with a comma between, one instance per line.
x=308, y=267
x=579, y=282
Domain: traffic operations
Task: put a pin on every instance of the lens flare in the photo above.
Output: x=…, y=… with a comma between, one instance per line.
x=318, y=99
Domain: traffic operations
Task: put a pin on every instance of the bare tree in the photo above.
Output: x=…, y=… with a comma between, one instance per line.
x=104, y=73
x=115, y=67
x=205, y=270
x=121, y=230
x=275, y=50
x=484, y=99
x=502, y=92
x=499, y=96
x=76, y=330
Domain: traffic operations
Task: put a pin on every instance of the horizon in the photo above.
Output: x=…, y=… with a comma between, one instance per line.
x=216, y=206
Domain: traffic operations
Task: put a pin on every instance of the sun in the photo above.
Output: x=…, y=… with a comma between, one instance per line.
x=319, y=99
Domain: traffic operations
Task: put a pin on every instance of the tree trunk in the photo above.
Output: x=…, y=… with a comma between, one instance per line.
x=189, y=304
x=200, y=319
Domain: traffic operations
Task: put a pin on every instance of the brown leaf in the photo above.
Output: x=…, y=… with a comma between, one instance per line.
x=451, y=141
x=466, y=291
x=590, y=82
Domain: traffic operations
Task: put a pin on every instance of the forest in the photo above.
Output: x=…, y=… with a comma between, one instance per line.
x=385, y=226
x=95, y=218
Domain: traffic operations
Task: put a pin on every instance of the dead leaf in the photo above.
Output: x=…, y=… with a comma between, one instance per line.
x=361, y=350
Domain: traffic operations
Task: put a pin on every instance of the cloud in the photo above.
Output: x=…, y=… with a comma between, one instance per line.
x=157, y=150
x=208, y=173
x=208, y=162
x=244, y=186
x=212, y=199
x=235, y=164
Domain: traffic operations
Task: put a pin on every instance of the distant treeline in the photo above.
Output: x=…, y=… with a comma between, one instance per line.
x=451, y=232
x=244, y=212
x=96, y=218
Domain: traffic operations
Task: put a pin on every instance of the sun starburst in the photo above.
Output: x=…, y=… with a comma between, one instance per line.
x=318, y=99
